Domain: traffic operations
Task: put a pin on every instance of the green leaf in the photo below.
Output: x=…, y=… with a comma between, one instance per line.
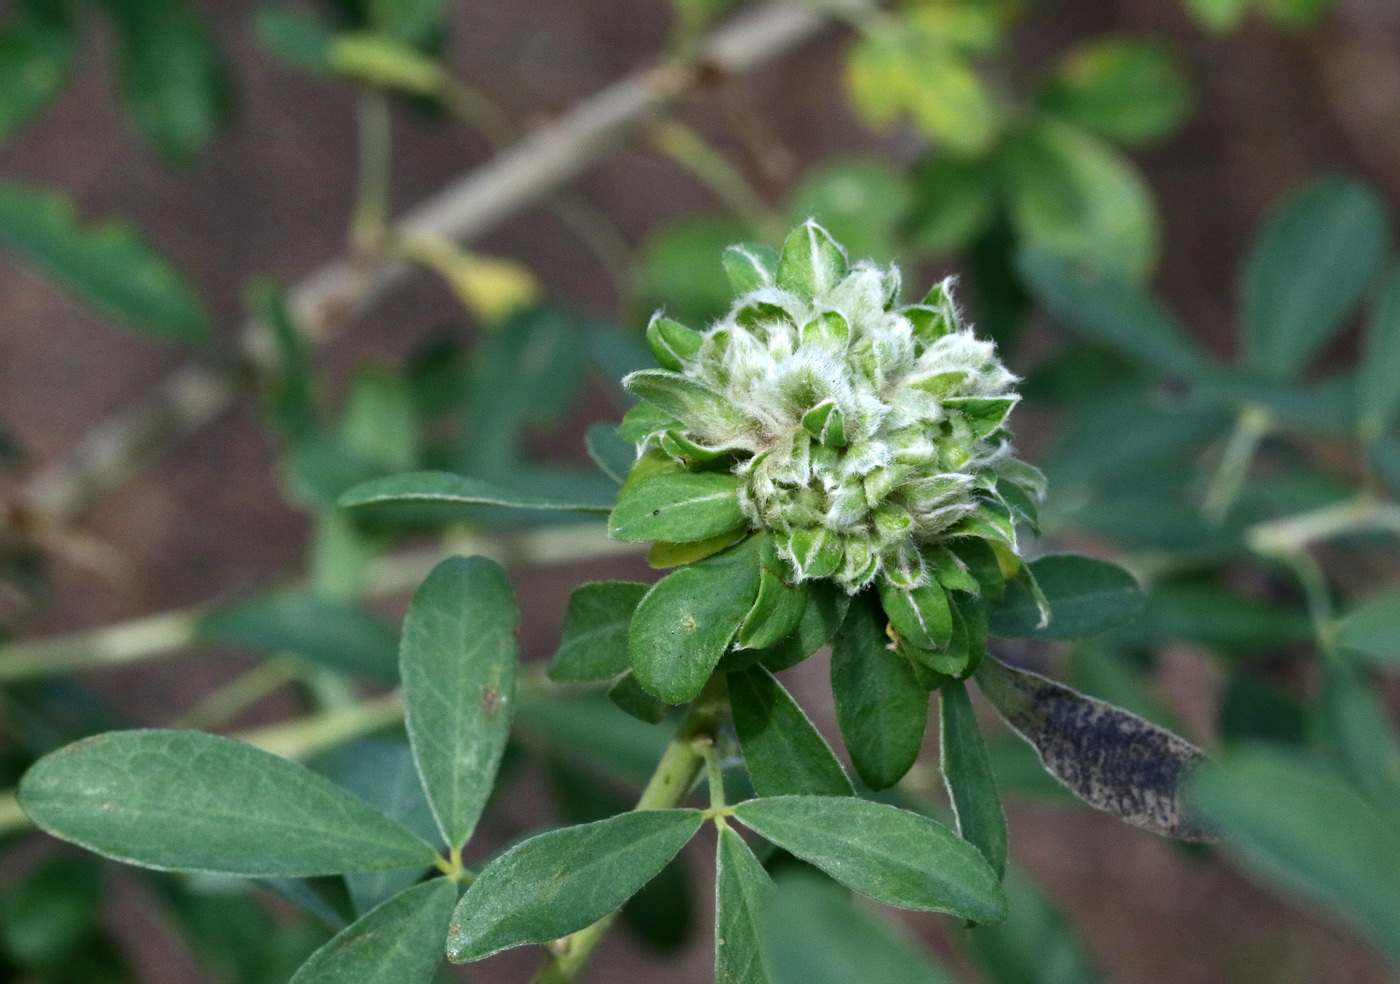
x=333, y=632
x=1372, y=631
x=811, y=262
x=109, y=266
x=561, y=881
x=821, y=617
x=968, y=773
x=663, y=555
x=750, y=266
x=1295, y=14
x=686, y=399
x=289, y=395
x=1215, y=618
x=397, y=942
x=1130, y=90
x=859, y=202
x=593, y=644
x=1218, y=16
x=1379, y=383
x=416, y=22
x=1315, y=256
x=777, y=610
x=174, y=84
x=680, y=507
x=444, y=488
x=923, y=617
x=672, y=342
x=1328, y=845
x=380, y=423
x=630, y=697
x=880, y=705
x=741, y=889
x=1351, y=725
x=891, y=855
x=1076, y=197
x=613, y=455
x=36, y=61
x=1036, y=944
x=687, y=620
x=299, y=40
x=185, y=801
x=1108, y=757
x=815, y=933
x=784, y=752
x=50, y=912
x=458, y=660
x=1111, y=309
x=1086, y=597
x=953, y=201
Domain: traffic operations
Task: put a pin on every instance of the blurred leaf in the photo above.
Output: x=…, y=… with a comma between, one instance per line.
x=687, y=620
x=1075, y=197
x=386, y=63
x=1378, y=381
x=174, y=84
x=1372, y=631
x=859, y=202
x=1130, y=90
x=415, y=22
x=813, y=932
x=1217, y=16
x=1114, y=677
x=741, y=891
x=613, y=455
x=458, y=660
x=1111, y=759
x=1351, y=725
x=953, y=201
x=297, y=39
x=334, y=632
x=1214, y=618
x=1314, y=257
x=891, y=855
x=967, y=772
x=36, y=61
x=783, y=750
x=1086, y=596
x=289, y=389
x=1019, y=772
x=587, y=730
x=880, y=705
x=185, y=801
x=1110, y=309
x=1255, y=710
x=431, y=488
x=1002, y=302
x=1036, y=944
x=631, y=697
x=47, y=915
x=1328, y=845
x=380, y=425
x=1296, y=14
x=558, y=882
x=593, y=641
x=109, y=266
x=681, y=269
x=397, y=942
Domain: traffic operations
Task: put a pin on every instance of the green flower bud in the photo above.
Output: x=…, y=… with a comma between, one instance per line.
x=863, y=434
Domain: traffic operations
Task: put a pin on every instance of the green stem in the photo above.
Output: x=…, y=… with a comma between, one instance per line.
x=1362, y=514
x=1251, y=427
x=675, y=773
x=239, y=693
x=715, y=171
x=371, y=215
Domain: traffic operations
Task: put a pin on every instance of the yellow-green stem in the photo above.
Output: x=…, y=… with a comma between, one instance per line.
x=675, y=773
x=371, y=215
x=1251, y=426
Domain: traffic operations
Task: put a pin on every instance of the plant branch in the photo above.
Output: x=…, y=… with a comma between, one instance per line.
x=479, y=201
x=1291, y=535
x=677, y=771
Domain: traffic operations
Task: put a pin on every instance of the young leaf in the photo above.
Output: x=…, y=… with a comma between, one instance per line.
x=185, y=801
x=561, y=881
x=36, y=58
x=968, y=774
x=891, y=855
x=687, y=620
x=750, y=266
x=1379, y=383
x=1328, y=844
x=1111, y=759
x=688, y=401
x=458, y=662
x=776, y=612
x=741, y=887
x=784, y=752
x=679, y=507
x=340, y=634
x=174, y=84
x=880, y=705
x=109, y=266
x=1036, y=944
x=922, y=617
x=445, y=488
x=1372, y=631
x=397, y=942
x=663, y=555
x=815, y=933
x=1086, y=597
x=811, y=261
x=593, y=645
x=1315, y=255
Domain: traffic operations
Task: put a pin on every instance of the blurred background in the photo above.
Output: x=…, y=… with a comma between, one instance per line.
x=1267, y=106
